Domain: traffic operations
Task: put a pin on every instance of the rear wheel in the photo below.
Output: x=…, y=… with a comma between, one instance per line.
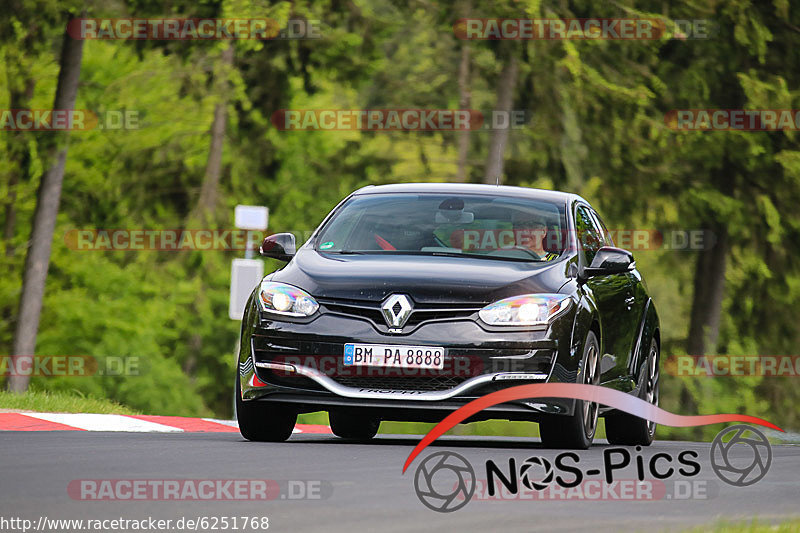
x=625, y=429
x=264, y=422
x=577, y=431
x=352, y=427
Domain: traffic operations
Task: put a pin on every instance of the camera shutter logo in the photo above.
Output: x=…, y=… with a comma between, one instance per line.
x=525, y=473
x=455, y=486
x=732, y=471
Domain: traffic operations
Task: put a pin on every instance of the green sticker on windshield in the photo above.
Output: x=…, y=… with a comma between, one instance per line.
x=326, y=245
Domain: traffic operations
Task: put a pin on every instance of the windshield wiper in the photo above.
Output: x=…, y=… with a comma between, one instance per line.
x=342, y=252
x=502, y=258
x=479, y=256
x=432, y=253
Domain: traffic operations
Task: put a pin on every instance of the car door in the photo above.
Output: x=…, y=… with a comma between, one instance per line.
x=612, y=294
x=636, y=303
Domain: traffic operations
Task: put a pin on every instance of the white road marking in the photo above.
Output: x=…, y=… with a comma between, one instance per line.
x=234, y=424
x=93, y=422
x=231, y=423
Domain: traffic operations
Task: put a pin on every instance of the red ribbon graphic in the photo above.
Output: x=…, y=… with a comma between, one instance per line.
x=591, y=393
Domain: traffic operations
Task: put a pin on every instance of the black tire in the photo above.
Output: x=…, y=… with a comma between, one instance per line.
x=576, y=431
x=629, y=430
x=263, y=422
x=352, y=427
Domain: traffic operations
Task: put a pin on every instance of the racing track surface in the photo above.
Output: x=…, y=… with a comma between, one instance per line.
x=368, y=491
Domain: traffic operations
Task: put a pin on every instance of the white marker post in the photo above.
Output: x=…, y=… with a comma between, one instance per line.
x=246, y=273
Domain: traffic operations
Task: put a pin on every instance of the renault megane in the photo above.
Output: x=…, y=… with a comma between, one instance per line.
x=410, y=300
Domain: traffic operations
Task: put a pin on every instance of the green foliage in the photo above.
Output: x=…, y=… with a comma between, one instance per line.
x=595, y=126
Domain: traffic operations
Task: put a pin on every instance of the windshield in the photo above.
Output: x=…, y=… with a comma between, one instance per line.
x=491, y=227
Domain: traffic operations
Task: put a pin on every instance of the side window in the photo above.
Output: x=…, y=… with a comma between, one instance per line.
x=590, y=239
x=603, y=230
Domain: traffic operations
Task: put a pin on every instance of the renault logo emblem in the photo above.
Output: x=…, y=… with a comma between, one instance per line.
x=396, y=310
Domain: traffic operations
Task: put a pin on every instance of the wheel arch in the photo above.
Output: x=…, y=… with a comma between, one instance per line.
x=586, y=319
x=650, y=328
x=595, y=327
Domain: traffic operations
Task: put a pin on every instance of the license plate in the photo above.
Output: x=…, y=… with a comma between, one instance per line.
x=394, y=355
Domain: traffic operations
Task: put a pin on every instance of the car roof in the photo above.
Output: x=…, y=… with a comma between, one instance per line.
x=470, y=188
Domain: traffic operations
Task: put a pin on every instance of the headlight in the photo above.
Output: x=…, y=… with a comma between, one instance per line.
x=286, y=300
x=525, y=310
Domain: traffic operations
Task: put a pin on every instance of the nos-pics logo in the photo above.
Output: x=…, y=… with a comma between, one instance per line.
x=445, y=481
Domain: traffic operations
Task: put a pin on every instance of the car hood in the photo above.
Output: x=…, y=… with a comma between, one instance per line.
x=427, y=279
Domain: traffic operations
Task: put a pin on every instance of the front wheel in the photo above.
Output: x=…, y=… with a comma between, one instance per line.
x=263, y=422
x=577, y=431
x=626, y=429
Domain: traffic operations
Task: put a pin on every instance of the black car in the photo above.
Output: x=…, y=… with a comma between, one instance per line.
x=410, y=300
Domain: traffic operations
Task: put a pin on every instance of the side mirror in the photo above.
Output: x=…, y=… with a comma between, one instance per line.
x=609, y=260
x=279, y=246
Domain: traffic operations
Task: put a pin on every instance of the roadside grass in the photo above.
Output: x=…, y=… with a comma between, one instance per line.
x=320, y=417
x=755, y=526
x=496, y=428
x=61, y=402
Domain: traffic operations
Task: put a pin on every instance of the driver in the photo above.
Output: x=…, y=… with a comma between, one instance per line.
x=529, y=233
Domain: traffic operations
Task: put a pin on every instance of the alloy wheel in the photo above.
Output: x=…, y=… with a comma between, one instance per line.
x=591, y=377
x=652, y=387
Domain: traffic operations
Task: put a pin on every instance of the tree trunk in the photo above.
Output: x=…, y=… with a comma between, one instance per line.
x=464, y=98
x=209, y=191
x=709, y=290
x=505, y=99
x=572, y=148
x=37, y=259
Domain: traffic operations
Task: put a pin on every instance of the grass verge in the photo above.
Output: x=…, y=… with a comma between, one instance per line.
x=788, y=526
x=498, y=428
x=61, y=402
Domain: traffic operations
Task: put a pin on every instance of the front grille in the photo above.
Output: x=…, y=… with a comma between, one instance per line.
x=373, y=315
x=421, y=313
x=424, y=315
x=428, y=384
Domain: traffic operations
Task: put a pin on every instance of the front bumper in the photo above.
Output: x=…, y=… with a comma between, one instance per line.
x=300, y=364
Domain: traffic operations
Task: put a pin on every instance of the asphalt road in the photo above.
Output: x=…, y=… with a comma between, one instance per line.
x=362, y=488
